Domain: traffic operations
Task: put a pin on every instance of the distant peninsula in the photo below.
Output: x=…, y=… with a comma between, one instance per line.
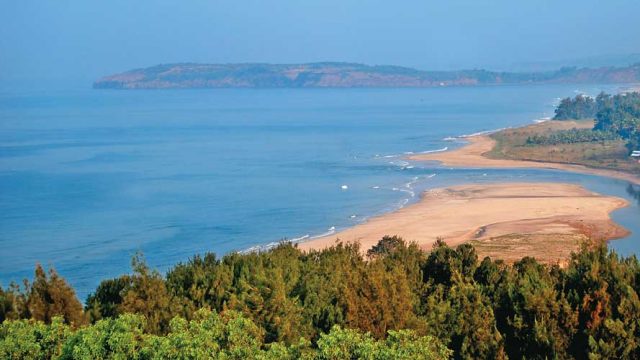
x=344, y=75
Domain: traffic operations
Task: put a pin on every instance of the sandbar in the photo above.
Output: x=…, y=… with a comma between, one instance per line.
x=485, y=212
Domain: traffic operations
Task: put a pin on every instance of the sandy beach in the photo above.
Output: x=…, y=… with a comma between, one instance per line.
x=505, y=220
x=472, y=155
x=485, y=212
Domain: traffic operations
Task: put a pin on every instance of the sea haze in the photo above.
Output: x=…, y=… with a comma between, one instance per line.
x=90, y=177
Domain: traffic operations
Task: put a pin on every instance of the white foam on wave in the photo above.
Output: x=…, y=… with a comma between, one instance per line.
x=259, y=248
x=332, y=230
x=435, y=151
x=408, y=188
x=266, y=247
x=542, y=120
x=485, y=132
x=400, y=163
x=298, y=239
x=403, y=163
x=273, y=244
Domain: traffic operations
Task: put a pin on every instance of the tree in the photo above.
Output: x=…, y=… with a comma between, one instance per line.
x=535, y=319
x=443, y=265
x=51, y=296
x=351, y=344
x=147, y=295
x=580, y=107
x=28, y=339
x=386, y=246
x=107, y=298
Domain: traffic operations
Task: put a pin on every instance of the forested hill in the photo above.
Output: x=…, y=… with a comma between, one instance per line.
x=343, y=75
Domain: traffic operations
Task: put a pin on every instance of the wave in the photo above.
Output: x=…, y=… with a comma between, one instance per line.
x=392, y=156
x=400, y=163
x=265, y=247
x=542, y=120
x=298, y=239
x=435, y=151
x=485, y=132
x=332, y=230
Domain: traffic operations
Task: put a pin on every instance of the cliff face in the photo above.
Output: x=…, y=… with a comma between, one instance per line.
x=343, y=75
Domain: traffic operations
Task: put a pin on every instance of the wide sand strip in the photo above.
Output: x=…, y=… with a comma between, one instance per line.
x=473, y=155
x=486, y=212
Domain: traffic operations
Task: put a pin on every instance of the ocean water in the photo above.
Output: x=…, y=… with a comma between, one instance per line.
x=90, y=177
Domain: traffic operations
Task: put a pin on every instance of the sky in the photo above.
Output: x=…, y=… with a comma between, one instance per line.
x=83, y=40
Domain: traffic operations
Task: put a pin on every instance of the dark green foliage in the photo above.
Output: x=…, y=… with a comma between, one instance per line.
x=634, y=142
x=573, y=136
x=536, y=319
x=443, y=266
x=104, y=302
x=617, y=117
x=580, y=107
x=620, y=114
x=398, y=302
x=386, y=246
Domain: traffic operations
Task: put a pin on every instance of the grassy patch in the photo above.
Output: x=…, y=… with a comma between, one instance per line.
x=610, y=154
x=546, y=248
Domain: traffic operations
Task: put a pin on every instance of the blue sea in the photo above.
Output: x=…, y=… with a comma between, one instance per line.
x=90, y=177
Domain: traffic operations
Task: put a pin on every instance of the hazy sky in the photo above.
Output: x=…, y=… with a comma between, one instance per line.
x=83, y=39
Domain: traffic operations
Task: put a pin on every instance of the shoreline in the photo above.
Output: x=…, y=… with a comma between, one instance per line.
x=500, y=228
x=483, y=213
x=473, y=155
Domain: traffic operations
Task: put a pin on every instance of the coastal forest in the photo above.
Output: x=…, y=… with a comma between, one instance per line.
x=396, y=301
x=616, y=117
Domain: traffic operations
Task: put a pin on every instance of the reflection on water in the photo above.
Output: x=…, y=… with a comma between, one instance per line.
x=634, y=191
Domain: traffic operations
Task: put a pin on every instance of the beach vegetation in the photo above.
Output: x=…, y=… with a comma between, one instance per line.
x=572, y=136
x=579, y=108
x=616, y=116
x=395, y=301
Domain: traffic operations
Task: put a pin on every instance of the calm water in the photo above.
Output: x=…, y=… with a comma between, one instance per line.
x=88, y=177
